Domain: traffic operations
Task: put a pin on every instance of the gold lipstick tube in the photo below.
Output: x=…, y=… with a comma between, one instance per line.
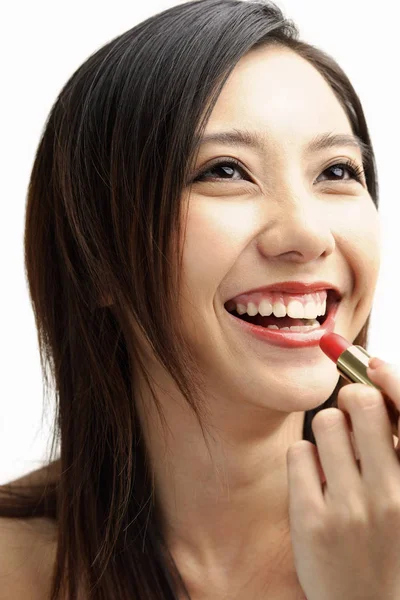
x=352, y=365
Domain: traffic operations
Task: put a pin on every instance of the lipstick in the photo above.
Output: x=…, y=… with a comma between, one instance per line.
x=352, y=362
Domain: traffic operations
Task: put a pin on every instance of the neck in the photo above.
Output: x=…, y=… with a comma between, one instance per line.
x=226, y=491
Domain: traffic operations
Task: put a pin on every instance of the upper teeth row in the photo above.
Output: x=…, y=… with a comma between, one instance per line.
x=294, y=309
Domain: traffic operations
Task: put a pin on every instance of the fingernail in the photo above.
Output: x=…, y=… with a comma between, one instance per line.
x=375, y=362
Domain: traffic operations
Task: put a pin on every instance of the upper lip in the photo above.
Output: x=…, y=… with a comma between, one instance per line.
x=297, y=287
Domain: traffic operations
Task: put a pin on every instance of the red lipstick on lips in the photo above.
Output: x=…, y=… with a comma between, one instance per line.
x=352, y=362
x=293, y=339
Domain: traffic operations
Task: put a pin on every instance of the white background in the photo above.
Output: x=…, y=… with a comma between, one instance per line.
x=42, y=44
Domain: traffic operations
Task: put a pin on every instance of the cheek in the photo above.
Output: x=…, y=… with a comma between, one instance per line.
x=362, y=237
x=216, y=233
x=360, y=244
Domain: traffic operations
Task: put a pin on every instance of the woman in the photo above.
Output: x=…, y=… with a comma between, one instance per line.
x=175, y=478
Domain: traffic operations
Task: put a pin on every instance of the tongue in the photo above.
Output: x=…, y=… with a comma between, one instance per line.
x=272, y=320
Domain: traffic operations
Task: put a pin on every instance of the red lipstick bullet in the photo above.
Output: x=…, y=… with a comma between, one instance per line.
x=352, y=362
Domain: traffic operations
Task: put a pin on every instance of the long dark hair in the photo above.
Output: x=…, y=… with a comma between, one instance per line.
x=102, y=251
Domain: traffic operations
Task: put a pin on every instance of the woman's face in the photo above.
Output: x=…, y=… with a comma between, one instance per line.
x=282, y=215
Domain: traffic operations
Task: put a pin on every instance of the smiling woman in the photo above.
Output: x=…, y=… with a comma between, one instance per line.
x=202, y=166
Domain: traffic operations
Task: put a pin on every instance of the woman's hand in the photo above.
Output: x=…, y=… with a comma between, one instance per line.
x=345, y=515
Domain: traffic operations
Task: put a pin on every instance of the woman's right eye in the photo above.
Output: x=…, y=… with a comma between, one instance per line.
x=226, y=166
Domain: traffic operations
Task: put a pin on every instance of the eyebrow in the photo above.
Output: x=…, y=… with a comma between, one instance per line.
x=257, y=141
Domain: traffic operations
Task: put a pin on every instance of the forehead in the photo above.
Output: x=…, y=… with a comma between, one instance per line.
x=280, y=94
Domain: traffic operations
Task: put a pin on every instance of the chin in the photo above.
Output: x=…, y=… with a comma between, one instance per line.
x=289, y=390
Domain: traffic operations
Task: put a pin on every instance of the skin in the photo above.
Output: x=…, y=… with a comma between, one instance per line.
x=286, y=217
x=345, y=535
x=227, y=520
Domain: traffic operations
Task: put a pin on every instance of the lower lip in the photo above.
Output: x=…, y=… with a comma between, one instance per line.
x=290, y=339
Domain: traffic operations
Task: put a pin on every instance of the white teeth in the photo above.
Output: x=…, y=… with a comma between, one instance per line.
x=279, y=309
x=295, y=309
x=252, y=309
x=311, y=310
x=265, y=308
x=313, y=325
x=241, y=309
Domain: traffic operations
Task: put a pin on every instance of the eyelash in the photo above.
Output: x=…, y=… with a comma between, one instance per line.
x=355, y=170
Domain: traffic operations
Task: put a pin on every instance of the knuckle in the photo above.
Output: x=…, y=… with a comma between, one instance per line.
x=360, y=395
x=388, y=510
x=370, y=394
x=351, y=514
x=327, y=418
x=310, y=525
x=348, y=391
x=317, y=528
x=390, y=369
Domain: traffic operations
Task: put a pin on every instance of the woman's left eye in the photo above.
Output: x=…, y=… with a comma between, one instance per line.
x=355, y=170
x=229, y=166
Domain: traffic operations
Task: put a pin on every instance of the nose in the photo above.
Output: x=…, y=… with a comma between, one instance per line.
x=298, y=230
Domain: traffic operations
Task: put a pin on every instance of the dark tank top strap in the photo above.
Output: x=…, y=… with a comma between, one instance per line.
x=310, y=414
x=307, y=431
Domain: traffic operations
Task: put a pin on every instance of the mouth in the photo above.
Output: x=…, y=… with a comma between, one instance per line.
x=276, y=330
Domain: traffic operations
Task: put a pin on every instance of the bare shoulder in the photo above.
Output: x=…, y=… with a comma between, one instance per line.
x=27, y=550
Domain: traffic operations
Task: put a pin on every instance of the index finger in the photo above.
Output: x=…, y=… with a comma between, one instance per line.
x=387, y=378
